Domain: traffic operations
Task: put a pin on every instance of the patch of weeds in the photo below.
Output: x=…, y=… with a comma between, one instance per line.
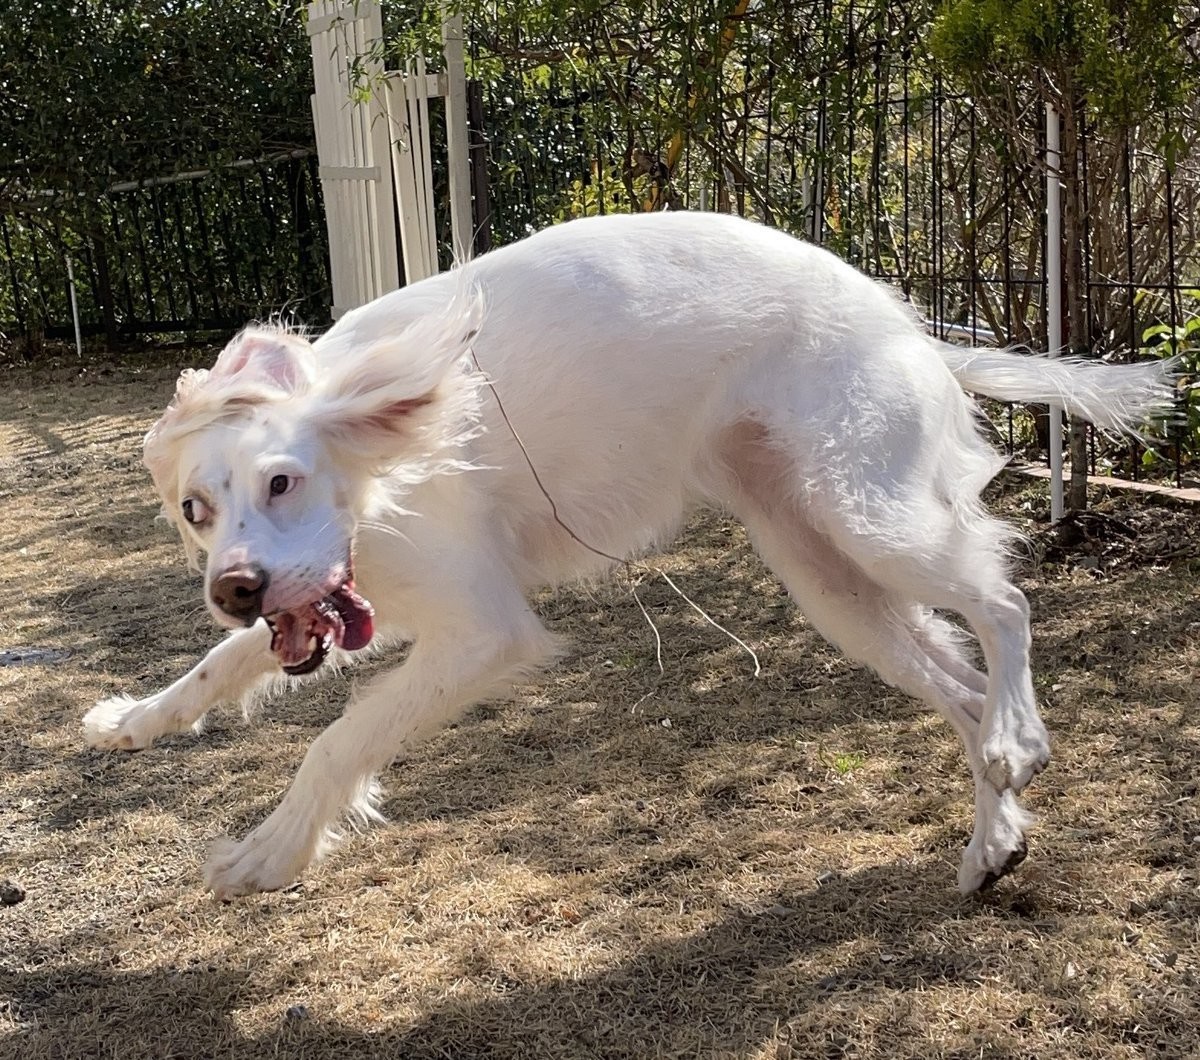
x=844, y=762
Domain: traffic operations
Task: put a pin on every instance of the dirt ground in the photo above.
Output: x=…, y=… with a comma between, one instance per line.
x=616, y=863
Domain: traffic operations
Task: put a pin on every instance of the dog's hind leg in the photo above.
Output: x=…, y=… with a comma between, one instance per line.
x=233, y=670
x=998, y=842
x=891, y=476
x=911, y=649
x=921, y=548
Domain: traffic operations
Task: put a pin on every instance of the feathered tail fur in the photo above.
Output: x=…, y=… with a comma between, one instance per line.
x=1116, y=398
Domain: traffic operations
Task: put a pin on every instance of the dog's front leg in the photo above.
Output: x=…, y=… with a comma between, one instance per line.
x=445, y=673
x=230, y=672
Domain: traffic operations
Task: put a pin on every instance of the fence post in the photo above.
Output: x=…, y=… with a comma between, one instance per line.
x=74, y=306
x=481, y=196
x=1054, y=280
x=407, y=98
x=815, y=187
x=457, y=147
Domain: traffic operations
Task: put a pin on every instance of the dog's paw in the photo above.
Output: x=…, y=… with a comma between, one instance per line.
x=268, y=859
x=1011, y=760
x=120, y=723
x=998, y=845
x=974, y=876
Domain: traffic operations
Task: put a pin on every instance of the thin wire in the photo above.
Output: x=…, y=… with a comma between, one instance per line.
x=650, y=622
x=628, y=564
x=708, y=618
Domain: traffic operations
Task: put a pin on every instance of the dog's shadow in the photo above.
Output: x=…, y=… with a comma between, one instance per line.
x=725, y=990
x=496, y=755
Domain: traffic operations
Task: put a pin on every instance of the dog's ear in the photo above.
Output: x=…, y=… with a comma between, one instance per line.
x=159, y=453
x=266, y=355
x=256, y=365
x=156, y=448
x=397, y=398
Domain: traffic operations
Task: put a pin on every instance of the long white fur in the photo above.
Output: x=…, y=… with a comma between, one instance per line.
x=648, y=364
x=1116, y=402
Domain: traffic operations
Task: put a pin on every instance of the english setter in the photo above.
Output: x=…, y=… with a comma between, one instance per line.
x=419, y=468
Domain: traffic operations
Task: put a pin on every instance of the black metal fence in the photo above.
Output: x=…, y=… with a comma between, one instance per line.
x=861, y=147
x=825, y=118
x=192, y=252
x=883, y=165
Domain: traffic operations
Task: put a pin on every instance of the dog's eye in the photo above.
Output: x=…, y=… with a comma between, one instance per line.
x=194, y=510
x=282, y=484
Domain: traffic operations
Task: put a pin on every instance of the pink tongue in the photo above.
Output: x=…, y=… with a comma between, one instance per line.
x=357, y=615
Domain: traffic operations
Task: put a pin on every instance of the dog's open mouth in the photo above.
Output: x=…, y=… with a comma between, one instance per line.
x=303, y=636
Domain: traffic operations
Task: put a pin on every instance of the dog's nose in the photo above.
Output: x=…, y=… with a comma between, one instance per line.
x=239, y=592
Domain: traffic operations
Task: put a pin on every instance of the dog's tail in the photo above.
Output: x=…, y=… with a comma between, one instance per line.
x=1116, y=398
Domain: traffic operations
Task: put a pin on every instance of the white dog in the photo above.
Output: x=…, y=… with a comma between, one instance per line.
x=440, y=452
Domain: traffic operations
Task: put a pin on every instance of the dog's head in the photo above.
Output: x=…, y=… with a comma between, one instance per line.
x=266, y=462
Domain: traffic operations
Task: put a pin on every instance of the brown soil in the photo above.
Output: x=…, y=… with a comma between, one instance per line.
x=614, y=864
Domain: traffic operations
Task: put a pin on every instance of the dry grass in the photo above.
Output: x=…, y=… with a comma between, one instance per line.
x=615, y=864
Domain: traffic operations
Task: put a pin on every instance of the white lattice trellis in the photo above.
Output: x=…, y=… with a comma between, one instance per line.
x=374, y=151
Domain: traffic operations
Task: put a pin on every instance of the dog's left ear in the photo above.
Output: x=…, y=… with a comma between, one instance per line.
x=264, y=354
x=396, y=398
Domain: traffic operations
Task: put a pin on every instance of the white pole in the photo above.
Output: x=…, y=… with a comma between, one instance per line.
x=462, y=227
x=1054, y=280
x=74, y=307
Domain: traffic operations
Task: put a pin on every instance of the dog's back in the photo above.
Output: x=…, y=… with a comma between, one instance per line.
x=622, y=349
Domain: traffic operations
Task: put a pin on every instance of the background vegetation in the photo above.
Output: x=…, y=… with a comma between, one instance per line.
x=906, y=136
x=98, y=95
